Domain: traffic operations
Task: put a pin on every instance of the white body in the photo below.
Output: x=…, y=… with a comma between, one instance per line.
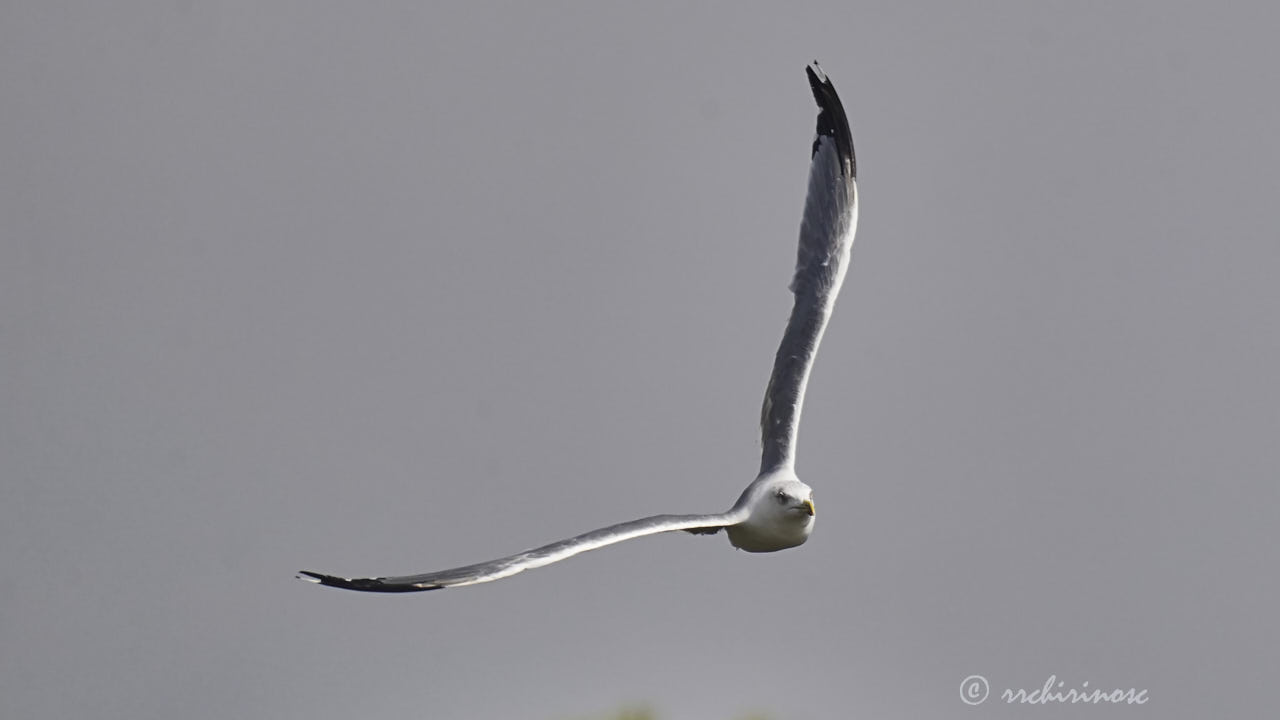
x=780, y=515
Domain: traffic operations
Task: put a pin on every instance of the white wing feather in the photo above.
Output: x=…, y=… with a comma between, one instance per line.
x=529, y=559
x=826, y=236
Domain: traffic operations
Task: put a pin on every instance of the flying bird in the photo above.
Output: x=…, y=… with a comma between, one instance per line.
x=776, y=510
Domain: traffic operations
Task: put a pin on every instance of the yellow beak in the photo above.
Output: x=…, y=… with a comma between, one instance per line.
x=808, y=506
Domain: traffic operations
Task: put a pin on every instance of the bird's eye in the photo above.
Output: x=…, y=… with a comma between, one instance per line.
x=782, y=496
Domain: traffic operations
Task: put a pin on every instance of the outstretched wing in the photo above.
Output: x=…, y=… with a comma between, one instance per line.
x=537, y=557
x=826, y=235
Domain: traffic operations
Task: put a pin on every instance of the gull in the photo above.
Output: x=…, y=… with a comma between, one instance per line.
x=775, y=511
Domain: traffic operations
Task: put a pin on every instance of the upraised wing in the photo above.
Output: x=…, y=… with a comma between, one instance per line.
x=537, y=557
x=826, y=235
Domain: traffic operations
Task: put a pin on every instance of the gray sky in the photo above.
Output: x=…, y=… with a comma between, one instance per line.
x=384, y=288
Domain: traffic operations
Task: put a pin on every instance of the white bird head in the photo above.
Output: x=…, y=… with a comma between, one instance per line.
x=781, y=513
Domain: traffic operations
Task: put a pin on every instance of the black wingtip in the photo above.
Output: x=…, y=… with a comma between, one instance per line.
x=832, y=121
x=816, y=76
x=360, y=584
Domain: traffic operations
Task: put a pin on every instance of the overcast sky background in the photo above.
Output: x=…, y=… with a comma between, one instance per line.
x=375, y=288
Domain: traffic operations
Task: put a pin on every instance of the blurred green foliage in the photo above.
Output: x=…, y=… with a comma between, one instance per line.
x=642, y=712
